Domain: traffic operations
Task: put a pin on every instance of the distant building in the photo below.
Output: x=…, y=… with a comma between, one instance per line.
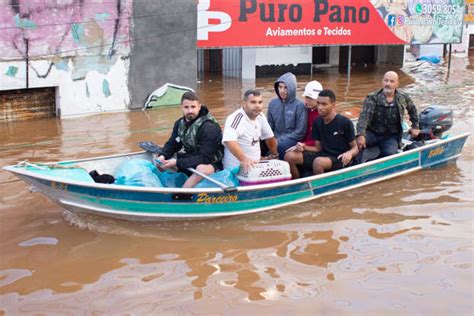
x=76, y=57
x=466, y=47
x=250, y=63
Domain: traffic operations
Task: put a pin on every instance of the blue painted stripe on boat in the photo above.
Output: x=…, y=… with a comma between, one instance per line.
x=412, y=157
x=195, y=208
x=377, y=169
x=166, y=197
x=365, y=177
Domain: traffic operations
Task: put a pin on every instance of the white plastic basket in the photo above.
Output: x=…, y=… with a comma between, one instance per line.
x=266, y=171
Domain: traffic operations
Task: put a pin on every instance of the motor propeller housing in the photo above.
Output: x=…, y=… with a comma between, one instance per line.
x=435, y=120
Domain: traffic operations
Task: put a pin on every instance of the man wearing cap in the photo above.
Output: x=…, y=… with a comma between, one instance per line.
x=380, y=122
x=310, y=95
x=294, y=155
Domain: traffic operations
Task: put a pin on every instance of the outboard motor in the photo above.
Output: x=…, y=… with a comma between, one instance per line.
x=434, y=121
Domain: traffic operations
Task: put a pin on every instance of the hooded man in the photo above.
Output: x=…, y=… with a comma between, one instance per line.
x=287, y=115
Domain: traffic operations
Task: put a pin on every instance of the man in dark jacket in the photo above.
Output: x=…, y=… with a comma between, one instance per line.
x=380, y=122
x=196, y=141
x=286, y=114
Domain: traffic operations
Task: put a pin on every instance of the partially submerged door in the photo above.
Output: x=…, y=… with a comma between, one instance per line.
x=27, y=104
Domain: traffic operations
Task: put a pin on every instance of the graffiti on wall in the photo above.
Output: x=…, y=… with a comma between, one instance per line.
x=76, y=36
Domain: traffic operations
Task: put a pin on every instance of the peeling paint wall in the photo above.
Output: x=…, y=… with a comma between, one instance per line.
x=80, y=46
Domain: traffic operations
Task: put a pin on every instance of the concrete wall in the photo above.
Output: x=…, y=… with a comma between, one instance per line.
x=249, y=56
x=334, y=55
x=79, y=46
x=166, y=50
x=391, y=54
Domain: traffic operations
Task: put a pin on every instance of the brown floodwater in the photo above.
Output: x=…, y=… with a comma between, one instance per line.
x=400, y=247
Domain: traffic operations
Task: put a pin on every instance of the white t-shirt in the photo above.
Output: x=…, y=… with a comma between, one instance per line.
x=239, y=127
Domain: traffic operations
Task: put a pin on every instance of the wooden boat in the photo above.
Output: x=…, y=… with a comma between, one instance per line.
x=148, y=204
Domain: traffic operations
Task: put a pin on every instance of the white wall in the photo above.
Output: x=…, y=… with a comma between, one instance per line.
x=88, y=63
x=252, y=57
x=431, y=50
x=95, y=92
x=283, y=55
x=462, y=49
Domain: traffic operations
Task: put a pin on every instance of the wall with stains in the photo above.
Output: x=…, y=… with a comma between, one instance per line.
x=82, y=47
x=165, y=46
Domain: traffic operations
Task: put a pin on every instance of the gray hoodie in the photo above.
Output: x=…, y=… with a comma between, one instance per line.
x=288, y=117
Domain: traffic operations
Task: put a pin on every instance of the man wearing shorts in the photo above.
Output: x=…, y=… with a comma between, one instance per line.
x=334, y=141
x=287, y=115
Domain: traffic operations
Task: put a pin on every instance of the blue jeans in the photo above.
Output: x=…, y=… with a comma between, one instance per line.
x=388, y=145
x=283, y=144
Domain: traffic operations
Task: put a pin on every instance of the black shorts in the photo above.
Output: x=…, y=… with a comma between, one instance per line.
x=217, y=166
x=309, y=156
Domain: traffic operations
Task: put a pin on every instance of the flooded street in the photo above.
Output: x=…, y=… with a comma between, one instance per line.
x=398, y=247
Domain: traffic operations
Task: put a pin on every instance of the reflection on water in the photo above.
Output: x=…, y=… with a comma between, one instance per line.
x=403, y=246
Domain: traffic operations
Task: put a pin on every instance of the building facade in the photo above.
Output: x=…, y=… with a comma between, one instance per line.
x=92, y=55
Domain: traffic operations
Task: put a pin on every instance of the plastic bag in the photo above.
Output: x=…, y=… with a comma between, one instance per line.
x=226, y=176
x=171, y=179
x=432, y=59
x=139, y=173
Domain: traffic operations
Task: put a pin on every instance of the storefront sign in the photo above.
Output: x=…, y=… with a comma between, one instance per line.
x=469, y=17
x=227, y=23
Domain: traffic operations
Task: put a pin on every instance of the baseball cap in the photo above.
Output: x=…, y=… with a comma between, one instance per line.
x=312, y=89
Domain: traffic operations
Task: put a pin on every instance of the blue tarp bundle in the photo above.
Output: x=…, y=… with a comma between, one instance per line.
x=141, y=172
x=431, y=59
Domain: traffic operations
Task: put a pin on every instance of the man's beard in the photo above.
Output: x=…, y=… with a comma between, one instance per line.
x=190, y=117
x=254, y=114
x=387, y=90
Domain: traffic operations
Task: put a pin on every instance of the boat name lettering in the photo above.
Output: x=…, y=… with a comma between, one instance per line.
x=436, y=152
x=59, y=186
x=205, y=198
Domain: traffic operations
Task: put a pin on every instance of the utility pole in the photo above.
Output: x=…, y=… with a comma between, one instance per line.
x=349, y=61
x=449, y=58
x=27, y=63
